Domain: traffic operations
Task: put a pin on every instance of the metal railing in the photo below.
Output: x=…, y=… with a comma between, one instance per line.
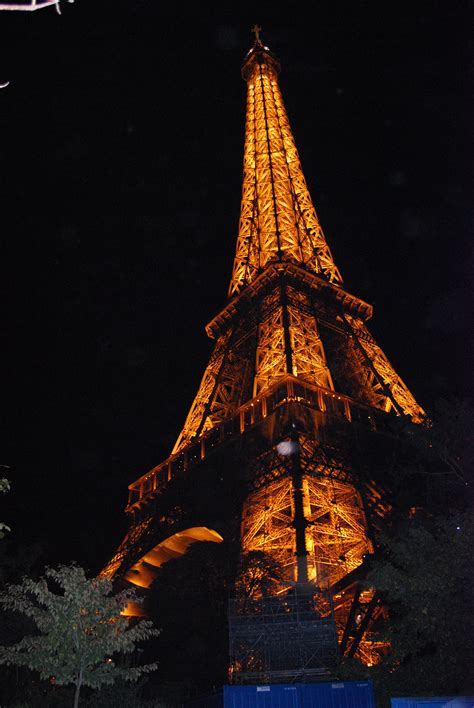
x=255, y=411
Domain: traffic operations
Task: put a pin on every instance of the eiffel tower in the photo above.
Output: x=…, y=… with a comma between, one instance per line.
x=272, y=452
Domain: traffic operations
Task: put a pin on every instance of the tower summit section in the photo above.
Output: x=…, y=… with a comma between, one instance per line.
x=278, y=222
x=279, y=235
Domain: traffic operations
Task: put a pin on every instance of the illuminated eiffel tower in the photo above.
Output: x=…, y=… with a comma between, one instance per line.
x=295, y=384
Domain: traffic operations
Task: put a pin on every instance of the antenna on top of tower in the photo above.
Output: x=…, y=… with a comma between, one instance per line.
x=256, y=29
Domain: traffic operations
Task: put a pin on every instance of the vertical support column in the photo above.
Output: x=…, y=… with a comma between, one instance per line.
x=286, y=326
x=291, y=448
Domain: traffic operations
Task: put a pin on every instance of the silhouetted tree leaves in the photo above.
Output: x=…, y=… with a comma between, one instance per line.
x=425, y=575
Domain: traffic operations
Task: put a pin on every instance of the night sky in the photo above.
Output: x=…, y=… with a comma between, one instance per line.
x=121, y=151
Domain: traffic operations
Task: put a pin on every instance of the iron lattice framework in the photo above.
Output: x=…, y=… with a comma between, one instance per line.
x=336, y=535
x=293, y=362
x=277, y=217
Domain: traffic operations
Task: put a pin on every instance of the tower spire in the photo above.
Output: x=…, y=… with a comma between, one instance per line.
x=278, y=221
x=256, y=30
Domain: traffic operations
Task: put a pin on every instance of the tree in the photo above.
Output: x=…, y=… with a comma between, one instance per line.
x=258, y=574
x=189, y=596
x=424, y=572
x=4, y=487
x=432, y=464
x=80, y=629
x=422, y=565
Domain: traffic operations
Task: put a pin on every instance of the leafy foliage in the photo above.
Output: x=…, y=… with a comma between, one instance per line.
x=432, y=464
x=79, y=629
x=258, y=574
x=189, y=596
x=4, y=487
x=426, y=577
x=424, y=563
x=451, y=437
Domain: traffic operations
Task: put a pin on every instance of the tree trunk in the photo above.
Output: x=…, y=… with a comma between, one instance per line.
x=78, y=689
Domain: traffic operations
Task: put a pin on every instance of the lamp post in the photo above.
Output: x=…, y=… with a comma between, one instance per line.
x=290, y=449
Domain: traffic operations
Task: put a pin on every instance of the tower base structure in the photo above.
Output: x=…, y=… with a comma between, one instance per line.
x=234, y=484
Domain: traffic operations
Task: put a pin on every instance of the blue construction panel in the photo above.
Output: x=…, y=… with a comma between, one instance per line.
x=434, y=702
x=264, y=696
x=336, y=694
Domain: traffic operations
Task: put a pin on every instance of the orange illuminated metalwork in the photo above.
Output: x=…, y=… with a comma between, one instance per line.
x=277, y=217
x=336, y=535
x=294, y=367
x=278, y=225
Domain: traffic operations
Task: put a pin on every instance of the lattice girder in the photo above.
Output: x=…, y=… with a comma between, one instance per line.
x=278, y=220
x=194, y=420
x=336, y=537
x=274, y=339
x=270, y=356
x=385, y=377
x=279, y=334
x=309, y=359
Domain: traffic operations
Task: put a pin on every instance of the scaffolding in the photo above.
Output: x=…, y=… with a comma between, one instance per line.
x=282, y=638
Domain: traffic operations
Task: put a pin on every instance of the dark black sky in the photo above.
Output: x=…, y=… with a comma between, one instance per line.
x=121, y=145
